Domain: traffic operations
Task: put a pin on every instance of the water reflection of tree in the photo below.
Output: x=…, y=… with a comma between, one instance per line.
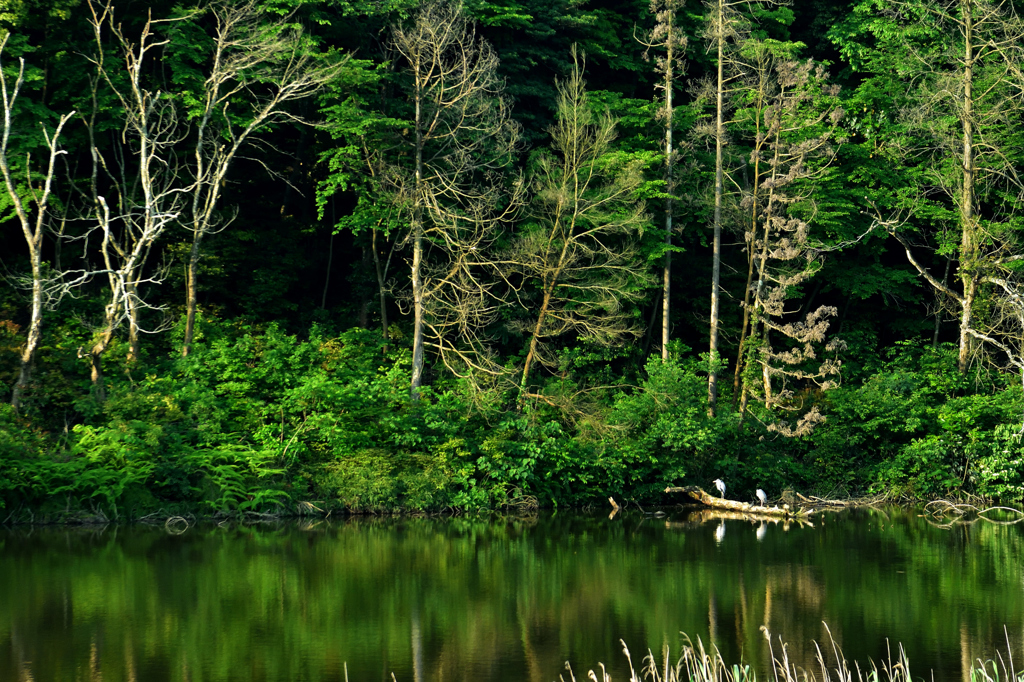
x=911, y=564
x=496, y=600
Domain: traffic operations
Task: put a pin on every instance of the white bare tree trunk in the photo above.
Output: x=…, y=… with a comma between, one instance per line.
x=32, y=227
x=716, y=248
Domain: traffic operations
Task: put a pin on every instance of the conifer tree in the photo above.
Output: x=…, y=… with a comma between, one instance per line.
x=794, y=113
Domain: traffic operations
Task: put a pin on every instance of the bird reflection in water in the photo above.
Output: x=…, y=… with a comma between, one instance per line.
x=762, y=530
x=720, y=533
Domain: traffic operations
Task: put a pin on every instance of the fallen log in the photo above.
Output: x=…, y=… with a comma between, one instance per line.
x=698, y=494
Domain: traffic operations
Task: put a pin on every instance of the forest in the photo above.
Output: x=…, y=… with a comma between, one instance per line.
x=297, y=256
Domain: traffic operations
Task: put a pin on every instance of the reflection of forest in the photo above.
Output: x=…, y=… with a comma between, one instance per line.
x=464, y=599
x=886, y=586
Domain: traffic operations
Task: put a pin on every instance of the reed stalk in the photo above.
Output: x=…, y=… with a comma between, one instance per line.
x=698, y=663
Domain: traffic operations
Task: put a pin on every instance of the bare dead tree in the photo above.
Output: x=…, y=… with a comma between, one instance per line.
x=144, y=181
x=456, y=194
x=139, y=175
x=580, y=255
x=30, y=203
x=802, y=341
x=258, y=67
x=667, y=36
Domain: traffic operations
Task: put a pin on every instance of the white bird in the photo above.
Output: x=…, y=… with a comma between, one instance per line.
x=720, y=533
x=761, y=496
x=720, y=485
x=761, y=530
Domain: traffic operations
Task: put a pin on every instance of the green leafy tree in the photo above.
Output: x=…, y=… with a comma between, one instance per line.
x=960, y=66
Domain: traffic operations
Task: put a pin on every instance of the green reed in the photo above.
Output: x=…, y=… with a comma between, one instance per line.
x=698, y=663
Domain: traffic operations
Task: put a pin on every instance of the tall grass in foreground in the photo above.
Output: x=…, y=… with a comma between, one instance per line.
x=699, y=664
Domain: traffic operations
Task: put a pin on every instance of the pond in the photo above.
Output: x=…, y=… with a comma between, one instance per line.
x=499, y=599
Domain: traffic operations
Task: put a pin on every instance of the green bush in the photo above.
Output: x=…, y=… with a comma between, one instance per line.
x=999, y=471
x=259, y=420
x=663, y=432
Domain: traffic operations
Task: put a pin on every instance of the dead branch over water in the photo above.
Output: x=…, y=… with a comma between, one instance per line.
x=946, y=514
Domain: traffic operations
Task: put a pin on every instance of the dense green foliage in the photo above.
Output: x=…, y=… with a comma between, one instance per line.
x=543, y=380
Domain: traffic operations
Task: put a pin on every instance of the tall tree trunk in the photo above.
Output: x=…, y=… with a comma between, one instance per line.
x=191, y=294
x=716, y=253
x=35, y=327
x=744, y=401
x=969, y=242
x=669, y=189
x=766, y=377
x=134, y=344
x=762, y=267
x=738, y=370
x=417, y=250
x=327, y=275
x=938, y=312
x=549, y=289
x=96, y=361
x=656, y=311
x=741, y=352
x=417, y=298
x=31, y=229
x=532, y=353
x=380, y=292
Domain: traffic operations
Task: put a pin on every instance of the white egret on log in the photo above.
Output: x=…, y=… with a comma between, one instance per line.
x=720, y=485
x=762, y=497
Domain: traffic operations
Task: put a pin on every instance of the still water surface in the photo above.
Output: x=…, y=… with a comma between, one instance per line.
x=510, y=599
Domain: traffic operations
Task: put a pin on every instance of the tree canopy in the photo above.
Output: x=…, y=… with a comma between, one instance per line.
x=258, y=253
